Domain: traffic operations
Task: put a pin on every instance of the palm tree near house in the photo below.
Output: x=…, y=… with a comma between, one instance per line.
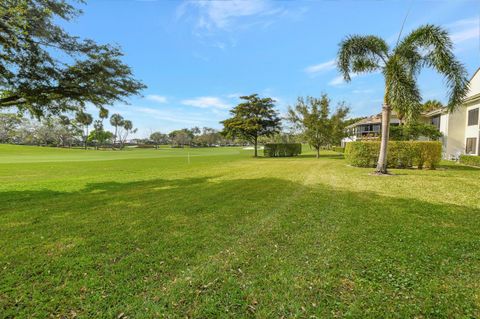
x=85, y=119
x=431, y=105
x=428, y=46
x=116, y=120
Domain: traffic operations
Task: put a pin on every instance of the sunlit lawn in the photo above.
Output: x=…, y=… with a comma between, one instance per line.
x=216, y=233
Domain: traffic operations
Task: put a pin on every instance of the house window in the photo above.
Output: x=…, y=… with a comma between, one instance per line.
x=471, y=145
x=473, y=117
x=435, y=121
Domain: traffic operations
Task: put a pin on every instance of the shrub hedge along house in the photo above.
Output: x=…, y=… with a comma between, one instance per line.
x=401, y=154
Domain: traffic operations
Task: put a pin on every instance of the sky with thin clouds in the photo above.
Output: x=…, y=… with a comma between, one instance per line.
x=198, y=57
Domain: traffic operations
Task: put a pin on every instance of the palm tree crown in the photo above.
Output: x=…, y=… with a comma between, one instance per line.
x=428, y=46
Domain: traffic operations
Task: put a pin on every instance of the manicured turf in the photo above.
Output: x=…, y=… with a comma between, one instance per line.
x=146, y=233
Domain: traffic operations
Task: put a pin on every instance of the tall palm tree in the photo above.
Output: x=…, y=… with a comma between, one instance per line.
x=116, y=120
x=85, y=119
x=428, y=46
x=102, y=114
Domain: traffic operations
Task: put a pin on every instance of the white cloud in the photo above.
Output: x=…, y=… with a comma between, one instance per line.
x=234, y=95
x=206, y=102
x=338, y=80
x=465, y=29
x=157, y=98
x=317, y=68
x=171, y=116
x=222, y=14
x=228, y=15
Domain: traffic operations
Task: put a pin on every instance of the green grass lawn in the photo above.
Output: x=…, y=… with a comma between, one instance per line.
x=146, y=233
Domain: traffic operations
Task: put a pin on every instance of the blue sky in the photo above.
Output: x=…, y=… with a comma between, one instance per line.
x=197, y=57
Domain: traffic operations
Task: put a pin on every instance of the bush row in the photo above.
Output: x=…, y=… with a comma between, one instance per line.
x=401, y=154
x=471, y=160
x=338, y=149
x=282, y=149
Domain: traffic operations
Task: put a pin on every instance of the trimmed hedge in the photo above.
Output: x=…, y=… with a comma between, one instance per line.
x=470, y=160
x=282, y=149
x=401, y=154
x=146, y=146
x=338, y=149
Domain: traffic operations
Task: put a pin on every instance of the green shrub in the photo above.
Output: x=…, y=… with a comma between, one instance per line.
x=401, y=154
x=338, y=149
x=412, y=131
x=145, y=146
x=282, y=149
x=470, y=160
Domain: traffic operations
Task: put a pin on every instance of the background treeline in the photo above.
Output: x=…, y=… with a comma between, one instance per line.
x=83, y=130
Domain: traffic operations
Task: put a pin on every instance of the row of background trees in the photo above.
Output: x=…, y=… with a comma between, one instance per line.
x=64, y=131
x=254, y=121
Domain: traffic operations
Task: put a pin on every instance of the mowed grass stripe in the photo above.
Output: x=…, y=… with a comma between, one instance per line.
x=232, y=236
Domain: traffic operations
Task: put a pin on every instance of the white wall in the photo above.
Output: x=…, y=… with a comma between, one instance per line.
x=472, y=130
x=455, y=137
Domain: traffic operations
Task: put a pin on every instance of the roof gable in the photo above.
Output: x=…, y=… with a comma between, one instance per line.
x=474, y=84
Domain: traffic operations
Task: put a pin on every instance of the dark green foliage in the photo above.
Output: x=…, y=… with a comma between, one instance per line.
x=282, y=149
x=45, y=70
x=251, y=119
x=401, y=154
x=146, y=146
x=338, y=149
x=413, y=131
x=470, y=160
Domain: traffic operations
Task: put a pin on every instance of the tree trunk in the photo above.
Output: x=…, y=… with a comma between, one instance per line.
x=382, y=158
x=86, y=137
x=318, y=152
x=256, y=142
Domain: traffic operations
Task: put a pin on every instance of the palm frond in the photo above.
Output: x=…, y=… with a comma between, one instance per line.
x=402, y=92
x=431, y=46
x=359, y=54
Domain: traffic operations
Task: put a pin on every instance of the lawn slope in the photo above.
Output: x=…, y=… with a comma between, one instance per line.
x=145, y=234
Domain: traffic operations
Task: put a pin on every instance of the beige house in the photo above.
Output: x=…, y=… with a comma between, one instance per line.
x=460, y=129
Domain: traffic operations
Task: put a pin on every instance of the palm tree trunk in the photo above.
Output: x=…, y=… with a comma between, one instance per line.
x=256, y=142
x=382, y=158
x=115, y=136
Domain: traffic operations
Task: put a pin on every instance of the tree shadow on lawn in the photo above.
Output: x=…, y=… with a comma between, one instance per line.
x=204, y=246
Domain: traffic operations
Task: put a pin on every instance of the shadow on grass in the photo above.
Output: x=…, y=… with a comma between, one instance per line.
x=458, y=167
x=202, y=246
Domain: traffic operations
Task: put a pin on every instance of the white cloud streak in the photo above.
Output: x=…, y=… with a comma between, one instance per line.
x=207, y=102
x=157, y=98
x=322, y=67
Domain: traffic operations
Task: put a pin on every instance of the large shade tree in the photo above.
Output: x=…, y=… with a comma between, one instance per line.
x=44, y=70
x=251, y=119
x=428, y=46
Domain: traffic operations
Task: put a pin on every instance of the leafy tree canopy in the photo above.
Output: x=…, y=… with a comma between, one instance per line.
x=44, y=70
x=252, y=118
x=311, y=116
